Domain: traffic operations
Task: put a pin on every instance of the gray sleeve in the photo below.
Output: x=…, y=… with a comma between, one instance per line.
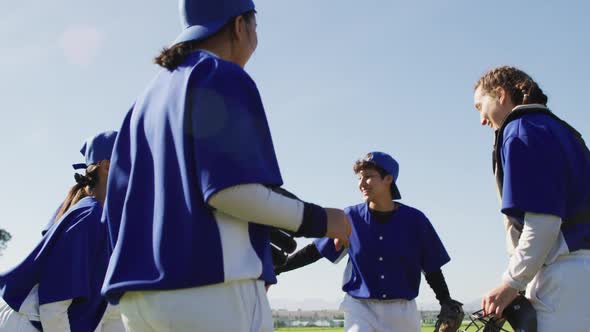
x=259, y=204
x=539, y=235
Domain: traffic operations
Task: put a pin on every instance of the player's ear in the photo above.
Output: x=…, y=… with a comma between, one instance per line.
x=388, y=179
x=239, y=28
x=501, y=94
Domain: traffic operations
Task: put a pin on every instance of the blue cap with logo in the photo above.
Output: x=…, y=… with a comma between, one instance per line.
x=97, y=148
x=202, y=18
x=390, y=166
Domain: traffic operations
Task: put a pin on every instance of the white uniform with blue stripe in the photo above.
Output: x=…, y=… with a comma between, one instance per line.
x=385, y=262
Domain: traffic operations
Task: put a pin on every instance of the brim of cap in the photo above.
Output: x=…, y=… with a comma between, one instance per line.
x=79, y=166
x=395, y=194
x=199, y=32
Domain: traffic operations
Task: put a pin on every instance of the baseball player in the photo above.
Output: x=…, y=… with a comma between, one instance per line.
x=542, y=168
x=57, y=287
x=190, y=194
x=391, y=244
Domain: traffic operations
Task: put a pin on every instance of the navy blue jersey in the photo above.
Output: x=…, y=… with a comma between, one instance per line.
x=195, y=131
x=385, y=259
x=52, y=220
x=546, y=170
x=68, y=264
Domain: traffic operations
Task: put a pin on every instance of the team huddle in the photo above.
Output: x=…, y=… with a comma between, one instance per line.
x=191, y=175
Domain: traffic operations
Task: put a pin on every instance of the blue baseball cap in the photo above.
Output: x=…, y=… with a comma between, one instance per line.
x=202, y=18
x=390, y=166
x=97, y=148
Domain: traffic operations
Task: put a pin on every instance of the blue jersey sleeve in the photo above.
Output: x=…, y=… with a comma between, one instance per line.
x=534, y=178
x=433, y=252
x=232, y=141
x=16, y=283
x=327, y=249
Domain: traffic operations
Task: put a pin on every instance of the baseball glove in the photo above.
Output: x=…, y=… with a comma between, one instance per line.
x=282, y=244
x=486, y=323
x=450, y=317
x=494, y=325
x=520, y=314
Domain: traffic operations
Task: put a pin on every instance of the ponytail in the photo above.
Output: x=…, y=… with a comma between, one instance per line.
x=84, y=183
x=173, y=56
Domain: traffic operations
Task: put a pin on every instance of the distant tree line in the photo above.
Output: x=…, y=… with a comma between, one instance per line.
x=4, y=238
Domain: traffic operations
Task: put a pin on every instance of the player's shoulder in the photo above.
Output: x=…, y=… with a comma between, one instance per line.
x=82, y=217
x=88, y=203
x=86, y=208
x=215, y=70
x=355, y=209
x=530, y=126
x=408, y=208
x=411, y=212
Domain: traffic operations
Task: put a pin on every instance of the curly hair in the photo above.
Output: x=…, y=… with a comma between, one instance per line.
x=521, y=88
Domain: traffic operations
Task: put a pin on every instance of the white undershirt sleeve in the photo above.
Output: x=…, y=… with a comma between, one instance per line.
x=54, y=316
x=259, y=204
x=539, y=235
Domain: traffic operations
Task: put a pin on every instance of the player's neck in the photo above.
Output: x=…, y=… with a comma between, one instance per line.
x=382, y=204
x=100, y=192
x=222, y=49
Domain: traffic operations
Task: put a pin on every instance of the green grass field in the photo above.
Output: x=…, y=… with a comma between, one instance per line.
x=339, y=329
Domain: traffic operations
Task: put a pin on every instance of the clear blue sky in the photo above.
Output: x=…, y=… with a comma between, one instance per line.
x=338, y=79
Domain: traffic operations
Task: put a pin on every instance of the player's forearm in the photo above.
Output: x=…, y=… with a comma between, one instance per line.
x=539, y=234
x=308, y=255
x=259, y=204
x=54, y=316
x=437, y=282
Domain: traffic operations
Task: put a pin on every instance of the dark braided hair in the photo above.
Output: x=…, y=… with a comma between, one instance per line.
x=521, y=88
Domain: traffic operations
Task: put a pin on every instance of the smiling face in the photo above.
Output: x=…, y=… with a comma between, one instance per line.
x=492, y=107
x=373, y=185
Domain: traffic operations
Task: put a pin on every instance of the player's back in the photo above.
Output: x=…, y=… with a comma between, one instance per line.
x=178, y=146
x=563, y=159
